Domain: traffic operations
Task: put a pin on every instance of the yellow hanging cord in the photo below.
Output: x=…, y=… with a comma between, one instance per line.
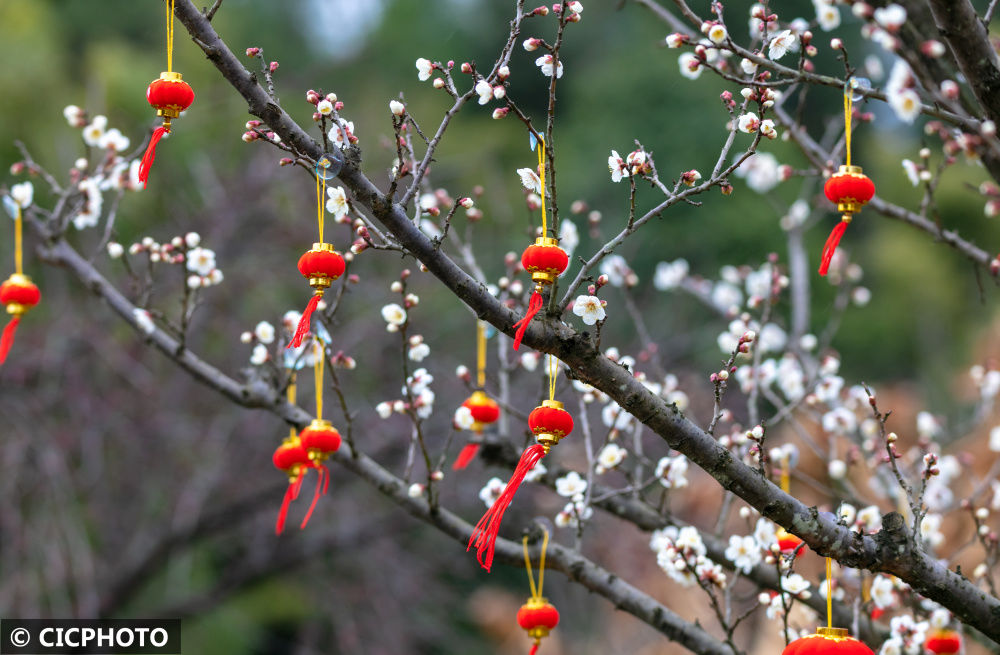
x=170, y=35
x=786, y=475
x=553, y=373
x=291, y=399
x=320, y=193
x=18, y=239
x=320, y=354
x=480, y=354
x=829, y=592
x=847, y=123
x=536, y=592
x=541, y=178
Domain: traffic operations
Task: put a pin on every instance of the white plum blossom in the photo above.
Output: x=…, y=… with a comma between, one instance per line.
x=748, y=123
x=930, y=530
x=796, y=585
x=669, y=275
x=617, y=167
x=760, y=171
x=827, y=15
x=765, y=534
x=883, y=592
x=717, y=33
x=783, y=42
x=672, y=472
x=726, y=297
x=891, y=17
x=545, y=63
x=617, y=270
x=767, y=129
x=324, y=107
x=201, y=261
x=743, y=552
x=484, y=91
x=418, y=352
x=912, y=173
x=394, y=315
x=397, y=108
x=570, y=485
x=337, y=203
x=573, y=514
x=113, y=139
x=569, y=236
x=491, y=492
x=384, y=409
x=589, y=309
x=264, y=332
x=93, y=132
x=259, y=355
x=143, y=320
x=530, y=179
x=22, y=194
x=840, y=420
x=610, y=456
x=869, y=520
x=73, y=115
x=614, y=417
x=537, y=473
x=424, y=68
x=690, y=65
x=115, y=250
x=905, y=104
x=463, y=419
x=336, y=134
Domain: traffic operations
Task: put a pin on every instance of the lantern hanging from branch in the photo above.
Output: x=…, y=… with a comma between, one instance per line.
x=549, y=422
x=537, y=616
x=320, y=438
x=484, y=410
x=292, y=459
x=169, y=95
x=849, y=188
x=544, y=259
x=18, y=293
x=944, y=642
x=322, y=264
x=828, y=640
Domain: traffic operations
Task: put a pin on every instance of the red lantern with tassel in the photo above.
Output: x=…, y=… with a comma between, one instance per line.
x=320, y=438
x=544, y=259
x=549, y=423
x=849, y=188
x=322, y=264
x=944, y=642
x=292, y=459
x=169, y=95
x=538, y=616
x=485, y=411
x=18, y=293
x=827, y=641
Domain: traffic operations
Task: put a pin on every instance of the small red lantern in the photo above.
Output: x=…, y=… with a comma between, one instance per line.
x=18, y=294
x=292, y=458
x=944, y=642
x=485, y=411
x=546, y=261
x=788, y=543
x=169, y=96
x=538, y=617
x=321, y=266
x=320, y=440
x=549, y=422
x=850, y=189
x=827, y=641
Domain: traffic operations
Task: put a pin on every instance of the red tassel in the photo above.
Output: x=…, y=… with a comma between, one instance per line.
x=534, y=649
x=147, y=159
x=465, y=456
x=324, y=475
x=484, y=536
x=534, y=306
x=7, y=340
x=304, y=323
x=831, y=246
x=291, y=493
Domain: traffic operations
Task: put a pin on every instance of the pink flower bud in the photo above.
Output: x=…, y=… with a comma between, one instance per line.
x=836, y=44
x=250, y=136
x=541, y=11
x=286, y=161
x=466, y=67
x=500, y=112
x=253, y=52
x=438, y=83
x=932, y=49
x=273, y=66
x=950, y=89
x=312, y=97
x=337, y=106
x=17, y=168
x=451, y=64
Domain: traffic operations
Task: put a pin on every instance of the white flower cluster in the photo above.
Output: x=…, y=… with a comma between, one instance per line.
x=418, y=388
x=681, y=555
x=200, y=262
x=907, y=636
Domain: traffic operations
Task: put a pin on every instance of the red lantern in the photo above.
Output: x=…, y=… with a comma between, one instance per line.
x=943, y=642
x=18, y=294
x=850, y=189
x=293, y=459
x=320, y=440
x=538, y=617
x=546, y=261
x=550, y=423
x=321, y=266
x=169, y=96
x=827, y=641
x=485, y=411
x=788, y=543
